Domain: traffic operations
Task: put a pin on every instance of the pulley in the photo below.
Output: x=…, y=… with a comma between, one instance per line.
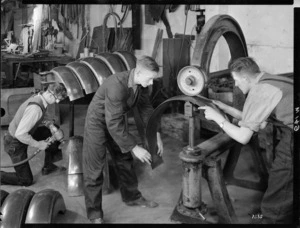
x=191, y=80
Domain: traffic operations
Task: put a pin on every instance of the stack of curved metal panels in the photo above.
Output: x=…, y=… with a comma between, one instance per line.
x=85, y=75
x=26, y=206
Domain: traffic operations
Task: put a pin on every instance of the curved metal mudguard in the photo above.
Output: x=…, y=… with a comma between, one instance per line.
x=152, y=124
x=14, y=208
x=113, y=62
x=85, y=75
x=66, y=76
x=3, y=195
x=128, y=59
x=44, y=206
x=98, y=67
x=72, y=154
x=75, y=184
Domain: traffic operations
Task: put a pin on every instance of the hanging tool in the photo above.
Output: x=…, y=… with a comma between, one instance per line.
x=125, y=10
x=199, y=18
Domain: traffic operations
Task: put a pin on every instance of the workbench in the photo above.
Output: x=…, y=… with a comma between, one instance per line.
x=15, y=90
x=12, y=64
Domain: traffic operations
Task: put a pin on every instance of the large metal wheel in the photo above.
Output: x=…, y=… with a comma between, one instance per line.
x=214, y=29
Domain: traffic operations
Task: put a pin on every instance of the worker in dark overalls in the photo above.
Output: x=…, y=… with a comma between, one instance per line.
x=105, y=127
x=269, y=99
x=26, y=129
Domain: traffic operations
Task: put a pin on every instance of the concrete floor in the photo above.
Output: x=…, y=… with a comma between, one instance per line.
x=162, y=184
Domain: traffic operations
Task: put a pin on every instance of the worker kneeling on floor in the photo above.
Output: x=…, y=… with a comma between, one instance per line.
x=105, y=128
x=28, y=128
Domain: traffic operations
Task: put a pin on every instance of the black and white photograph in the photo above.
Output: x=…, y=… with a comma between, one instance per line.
x=120, y=112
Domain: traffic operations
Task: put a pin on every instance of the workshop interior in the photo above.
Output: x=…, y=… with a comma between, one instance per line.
x=204, y=176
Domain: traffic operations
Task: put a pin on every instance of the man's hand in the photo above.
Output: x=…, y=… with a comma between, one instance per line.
x=43, y=145
x=142, y=154
x=212, y=114
x=160, y=145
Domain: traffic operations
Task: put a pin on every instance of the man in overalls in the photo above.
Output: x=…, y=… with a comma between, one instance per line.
x=26, y=129
x=269, y=99
x=105, y=128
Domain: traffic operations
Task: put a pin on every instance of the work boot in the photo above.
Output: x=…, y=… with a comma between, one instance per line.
x=97, y=221
x=142, y=202
x=50, y=168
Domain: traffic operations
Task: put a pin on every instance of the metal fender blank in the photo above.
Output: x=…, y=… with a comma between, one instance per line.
x=98, y=67
x=3, y=195
x=152, y=124
x=72, y=156
x=85, y=75
x=14, y=208
x=113, y=62
x=44, y=206
x=128, y=59
x=75, y=184
x=69, y=79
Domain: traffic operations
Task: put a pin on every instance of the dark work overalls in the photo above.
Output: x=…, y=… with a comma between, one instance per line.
x=18, y=151
x=277, y=202
x=105, y=130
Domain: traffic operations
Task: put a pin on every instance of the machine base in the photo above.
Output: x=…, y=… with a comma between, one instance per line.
x=182, y=214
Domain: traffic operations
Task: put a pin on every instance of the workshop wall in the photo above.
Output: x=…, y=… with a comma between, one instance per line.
x=268, y=32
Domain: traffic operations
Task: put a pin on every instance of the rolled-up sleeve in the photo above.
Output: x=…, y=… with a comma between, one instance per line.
x=115, y=100
x=260, y=102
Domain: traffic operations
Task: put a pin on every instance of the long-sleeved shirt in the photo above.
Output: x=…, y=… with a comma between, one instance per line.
x=30, y=117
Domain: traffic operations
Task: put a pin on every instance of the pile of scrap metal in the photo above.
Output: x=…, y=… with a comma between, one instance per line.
x=26, y=206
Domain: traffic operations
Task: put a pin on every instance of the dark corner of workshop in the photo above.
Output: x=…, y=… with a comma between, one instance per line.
x=148, y=113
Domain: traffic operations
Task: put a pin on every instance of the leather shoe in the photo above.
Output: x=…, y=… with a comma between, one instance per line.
x=97, y=221
x=142, y=202
x=49, y=169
